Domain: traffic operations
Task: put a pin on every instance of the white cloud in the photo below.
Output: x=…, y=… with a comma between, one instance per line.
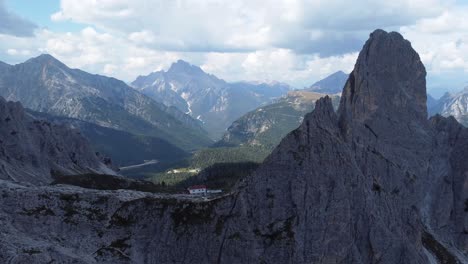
x=248, y=25
x=12, y=52
x=442, y=41
x=276, y=64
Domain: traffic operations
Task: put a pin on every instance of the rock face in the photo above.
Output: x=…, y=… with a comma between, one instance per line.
x=205, y=97
x=331, y=84
x=45, y=84
x=374, y=183
x=32, y=150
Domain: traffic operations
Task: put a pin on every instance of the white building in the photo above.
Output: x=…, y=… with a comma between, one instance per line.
x=197, y=189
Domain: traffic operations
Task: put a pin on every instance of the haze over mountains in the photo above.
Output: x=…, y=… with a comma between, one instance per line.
x=373, y=182
x=205, y=97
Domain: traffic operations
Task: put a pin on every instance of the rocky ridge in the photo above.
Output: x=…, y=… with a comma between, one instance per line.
x=375, y=182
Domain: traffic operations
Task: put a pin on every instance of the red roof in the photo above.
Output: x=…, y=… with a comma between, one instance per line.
x=194, y=187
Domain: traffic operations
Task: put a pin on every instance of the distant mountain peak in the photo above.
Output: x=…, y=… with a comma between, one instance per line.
x=182, y=66
x=340, y=72
x=331, y=84
x=47, y=59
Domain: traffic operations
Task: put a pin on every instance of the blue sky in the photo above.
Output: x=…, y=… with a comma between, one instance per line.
x=39, y=13
x=293, y=41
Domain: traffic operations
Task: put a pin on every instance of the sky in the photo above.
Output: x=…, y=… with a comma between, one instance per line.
x=292, y=41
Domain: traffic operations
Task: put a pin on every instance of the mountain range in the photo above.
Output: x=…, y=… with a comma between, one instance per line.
x=205, y=97
x=45, y=84
x=374, y=182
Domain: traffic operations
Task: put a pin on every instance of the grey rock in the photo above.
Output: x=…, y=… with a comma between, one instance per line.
x=32, y=150
x=375, y=182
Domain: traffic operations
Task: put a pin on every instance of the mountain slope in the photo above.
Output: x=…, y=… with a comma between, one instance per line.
x=45, y=84
x=331, y=84
x=204, y=96
x=124, y=148
x=375, y=182
x=455, y=105
x=267, y=125
x=33, y=151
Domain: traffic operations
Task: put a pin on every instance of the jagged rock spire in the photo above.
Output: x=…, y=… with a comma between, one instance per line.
x=388, y=82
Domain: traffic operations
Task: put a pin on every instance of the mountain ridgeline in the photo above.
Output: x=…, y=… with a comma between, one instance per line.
x=374, y=182
x=205, y=97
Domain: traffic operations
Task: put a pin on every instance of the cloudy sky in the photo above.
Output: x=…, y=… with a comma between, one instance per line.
x=294, y=41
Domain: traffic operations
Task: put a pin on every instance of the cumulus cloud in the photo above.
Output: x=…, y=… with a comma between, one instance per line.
x=12, y=24
x=305, y=26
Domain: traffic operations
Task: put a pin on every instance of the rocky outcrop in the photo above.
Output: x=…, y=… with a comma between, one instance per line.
x=375, y=182
x=32, y=150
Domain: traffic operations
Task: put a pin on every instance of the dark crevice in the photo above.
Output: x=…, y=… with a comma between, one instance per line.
x=438, y=250
x=371, y=130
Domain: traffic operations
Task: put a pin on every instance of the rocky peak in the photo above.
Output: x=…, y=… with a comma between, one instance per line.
x=323, y=110
x=387, y=83
x=46, y=59
x=182, y=66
